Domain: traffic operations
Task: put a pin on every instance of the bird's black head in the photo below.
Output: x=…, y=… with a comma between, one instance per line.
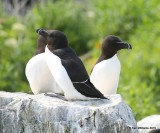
x=54, y=38
x=111, y=44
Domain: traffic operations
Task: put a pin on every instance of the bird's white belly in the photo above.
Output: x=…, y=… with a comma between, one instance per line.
x=105, y=76
x=40, y=77
x=106, y=84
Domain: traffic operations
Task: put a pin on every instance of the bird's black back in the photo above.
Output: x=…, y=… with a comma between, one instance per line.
x=72, y=64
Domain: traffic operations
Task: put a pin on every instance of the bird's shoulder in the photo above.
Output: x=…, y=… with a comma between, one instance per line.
x=65, y=53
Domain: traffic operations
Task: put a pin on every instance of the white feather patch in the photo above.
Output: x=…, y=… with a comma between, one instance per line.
x=105, y=75
x=39, y=76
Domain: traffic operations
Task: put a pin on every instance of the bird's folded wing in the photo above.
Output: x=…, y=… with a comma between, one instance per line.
x=88, y=89
x=57, y=70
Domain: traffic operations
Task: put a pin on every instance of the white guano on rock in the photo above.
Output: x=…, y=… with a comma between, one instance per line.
x=24, y=113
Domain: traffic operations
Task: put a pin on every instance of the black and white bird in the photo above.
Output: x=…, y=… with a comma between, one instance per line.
x=37, y=72
x=105, y=73
x=58, y=65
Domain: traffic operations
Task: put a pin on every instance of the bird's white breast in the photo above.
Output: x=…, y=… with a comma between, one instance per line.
x=105, y=75
x=39, y=76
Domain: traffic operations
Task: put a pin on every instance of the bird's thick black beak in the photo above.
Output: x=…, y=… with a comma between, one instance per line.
x=125, y=45
x=42, y=32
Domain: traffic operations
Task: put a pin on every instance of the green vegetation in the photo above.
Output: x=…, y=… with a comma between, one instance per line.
x=86, y=24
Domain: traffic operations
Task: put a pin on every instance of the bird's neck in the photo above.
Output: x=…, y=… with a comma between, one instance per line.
x=51, y=47
x=40, y=49
x=105, y=56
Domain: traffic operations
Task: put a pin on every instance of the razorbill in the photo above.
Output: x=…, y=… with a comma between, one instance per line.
x=105, y=73
x=66, y=68
x=37, y=72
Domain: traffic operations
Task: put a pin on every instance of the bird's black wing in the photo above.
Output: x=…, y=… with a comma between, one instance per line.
x=88, y=89
x=72, y=64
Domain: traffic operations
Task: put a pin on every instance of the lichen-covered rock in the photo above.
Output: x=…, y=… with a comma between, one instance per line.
x=24, y=113
x=150, y=124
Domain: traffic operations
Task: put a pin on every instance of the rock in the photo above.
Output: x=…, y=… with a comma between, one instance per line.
x=149, y=124
x=24, y=113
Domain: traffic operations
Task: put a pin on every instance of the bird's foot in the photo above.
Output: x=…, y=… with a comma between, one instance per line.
x=57, y=95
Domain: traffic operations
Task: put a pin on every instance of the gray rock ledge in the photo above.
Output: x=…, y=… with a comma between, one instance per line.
x=24, y=113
